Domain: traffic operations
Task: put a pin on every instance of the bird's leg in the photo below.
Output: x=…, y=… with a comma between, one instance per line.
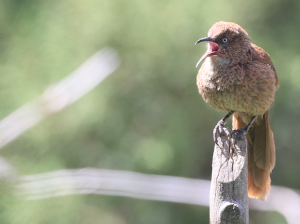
x=237, y=133
x=218, y=128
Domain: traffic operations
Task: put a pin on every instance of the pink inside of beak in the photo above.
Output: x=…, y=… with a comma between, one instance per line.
x=212, y=49
x=213, y=46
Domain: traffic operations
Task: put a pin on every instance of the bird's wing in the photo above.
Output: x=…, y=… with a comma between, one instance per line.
x=258, y=54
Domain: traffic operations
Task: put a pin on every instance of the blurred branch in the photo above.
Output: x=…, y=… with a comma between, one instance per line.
x=137, y=185
x=112, y=182
x=59, y=96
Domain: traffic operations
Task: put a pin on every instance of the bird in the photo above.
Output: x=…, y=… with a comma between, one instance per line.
x=239, y=78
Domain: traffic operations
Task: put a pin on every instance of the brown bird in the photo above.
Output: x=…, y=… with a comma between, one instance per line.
x=239, y=78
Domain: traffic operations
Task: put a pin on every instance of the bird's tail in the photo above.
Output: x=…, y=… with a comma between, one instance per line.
x=261, y=156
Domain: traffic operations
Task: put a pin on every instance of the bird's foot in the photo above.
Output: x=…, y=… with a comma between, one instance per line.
x=217, y=131
x=237, y=133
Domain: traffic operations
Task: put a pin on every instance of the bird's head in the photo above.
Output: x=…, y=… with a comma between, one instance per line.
x=227, y=41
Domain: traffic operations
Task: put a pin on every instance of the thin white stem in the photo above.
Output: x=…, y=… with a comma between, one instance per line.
x=60, y=95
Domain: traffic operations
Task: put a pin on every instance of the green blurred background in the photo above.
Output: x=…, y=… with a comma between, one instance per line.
x=147, y=116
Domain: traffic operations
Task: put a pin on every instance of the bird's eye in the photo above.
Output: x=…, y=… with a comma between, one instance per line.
x=224, y=40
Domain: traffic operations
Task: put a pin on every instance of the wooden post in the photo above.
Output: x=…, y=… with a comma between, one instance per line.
x=229, y=182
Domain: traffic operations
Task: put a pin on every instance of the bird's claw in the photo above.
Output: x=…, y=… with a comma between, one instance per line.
x=217, y=131
x=237, y=133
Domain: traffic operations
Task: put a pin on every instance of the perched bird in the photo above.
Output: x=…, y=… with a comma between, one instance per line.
x=239, y=78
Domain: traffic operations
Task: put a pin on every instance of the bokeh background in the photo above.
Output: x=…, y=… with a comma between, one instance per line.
x=147, y=116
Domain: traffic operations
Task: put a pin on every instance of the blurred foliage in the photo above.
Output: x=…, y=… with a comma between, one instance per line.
x=148, y=116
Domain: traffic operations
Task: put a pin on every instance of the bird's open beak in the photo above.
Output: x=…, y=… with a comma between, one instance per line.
x=212, y=49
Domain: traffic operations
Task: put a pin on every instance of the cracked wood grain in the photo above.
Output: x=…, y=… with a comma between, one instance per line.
x=229, y=183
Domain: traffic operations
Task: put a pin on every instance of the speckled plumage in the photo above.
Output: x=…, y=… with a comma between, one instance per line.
x=240, y=76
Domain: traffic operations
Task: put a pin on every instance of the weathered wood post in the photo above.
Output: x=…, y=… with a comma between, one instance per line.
x=229, y=181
